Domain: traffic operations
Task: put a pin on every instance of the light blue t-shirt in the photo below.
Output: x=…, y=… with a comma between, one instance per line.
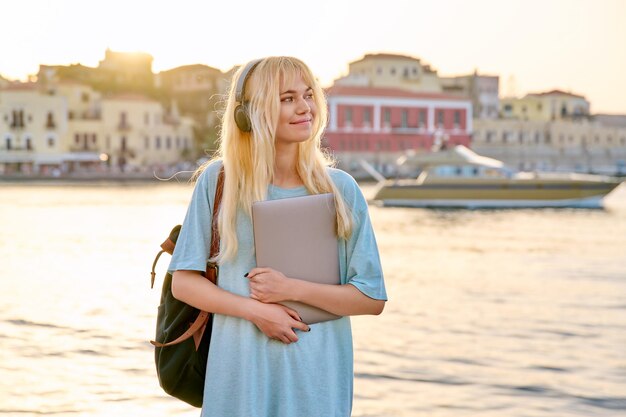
x=250, y=375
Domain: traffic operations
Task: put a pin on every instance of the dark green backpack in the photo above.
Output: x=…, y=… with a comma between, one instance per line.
x=183, y=333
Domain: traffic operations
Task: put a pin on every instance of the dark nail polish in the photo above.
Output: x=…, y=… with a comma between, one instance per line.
x=246, y=275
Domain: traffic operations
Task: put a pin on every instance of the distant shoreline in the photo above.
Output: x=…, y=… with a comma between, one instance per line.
x=183, y=177
x=180, y=177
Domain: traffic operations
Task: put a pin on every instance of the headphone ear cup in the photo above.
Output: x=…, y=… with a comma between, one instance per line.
x=242, y=119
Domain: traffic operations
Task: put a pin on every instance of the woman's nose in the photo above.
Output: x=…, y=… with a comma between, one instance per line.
x=303, y=106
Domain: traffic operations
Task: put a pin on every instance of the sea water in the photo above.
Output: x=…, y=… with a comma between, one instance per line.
x=491, y=312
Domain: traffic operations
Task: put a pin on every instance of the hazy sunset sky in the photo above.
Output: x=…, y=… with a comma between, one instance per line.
x=533, y=45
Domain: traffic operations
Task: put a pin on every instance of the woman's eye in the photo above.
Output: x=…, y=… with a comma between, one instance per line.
x=287, y=99
x=309, y=96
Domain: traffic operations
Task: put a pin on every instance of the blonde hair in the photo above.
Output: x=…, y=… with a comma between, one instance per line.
x=248, y=158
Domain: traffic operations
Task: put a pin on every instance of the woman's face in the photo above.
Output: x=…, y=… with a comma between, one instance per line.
x=297, y=112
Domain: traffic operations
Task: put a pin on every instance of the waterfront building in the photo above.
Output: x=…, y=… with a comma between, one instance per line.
x=138, y=131
x=546, y=106
x=582, y=145
x=391, y=71
x=32, y=128
x=380, y=124
x=198, y=91
x=483, y=90
x=71, y=127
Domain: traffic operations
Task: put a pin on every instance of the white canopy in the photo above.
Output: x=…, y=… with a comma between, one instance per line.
x=459, y=155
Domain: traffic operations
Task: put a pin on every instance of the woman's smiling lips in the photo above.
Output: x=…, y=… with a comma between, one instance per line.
x=301, y=122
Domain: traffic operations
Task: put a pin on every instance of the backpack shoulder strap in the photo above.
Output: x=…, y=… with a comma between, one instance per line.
x=198, y=327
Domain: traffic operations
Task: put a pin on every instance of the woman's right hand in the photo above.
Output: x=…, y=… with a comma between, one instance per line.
x=278, y=322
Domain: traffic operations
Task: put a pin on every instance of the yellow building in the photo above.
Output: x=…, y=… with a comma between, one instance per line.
x=551, y=105
x=563, y=145
x=32, y=128
x=139, y=132
x=70, y=127
x=391, y=70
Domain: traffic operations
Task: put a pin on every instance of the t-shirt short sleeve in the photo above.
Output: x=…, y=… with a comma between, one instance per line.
x=194, y=241
x=363, y=266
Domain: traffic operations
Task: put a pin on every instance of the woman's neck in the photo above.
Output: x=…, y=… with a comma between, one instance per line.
x=285, y=172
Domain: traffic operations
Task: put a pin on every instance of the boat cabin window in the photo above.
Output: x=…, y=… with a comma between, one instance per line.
x=465, y=171
x=456, y=171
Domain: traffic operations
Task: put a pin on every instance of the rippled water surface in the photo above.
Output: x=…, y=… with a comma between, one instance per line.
x=491, y=313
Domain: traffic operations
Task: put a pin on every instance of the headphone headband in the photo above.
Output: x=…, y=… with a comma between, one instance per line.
x=241, y=82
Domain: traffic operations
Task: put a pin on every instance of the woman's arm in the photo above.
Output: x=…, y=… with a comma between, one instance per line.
x=276, y=321
x=270, y=286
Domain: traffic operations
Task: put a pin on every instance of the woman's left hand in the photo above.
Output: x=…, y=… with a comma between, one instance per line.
x=268, y=285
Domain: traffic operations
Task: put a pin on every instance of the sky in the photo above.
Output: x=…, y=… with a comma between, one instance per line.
x=532, y=45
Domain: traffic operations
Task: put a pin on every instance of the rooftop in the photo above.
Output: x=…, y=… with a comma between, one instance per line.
x=555, y=93
x=340, y=90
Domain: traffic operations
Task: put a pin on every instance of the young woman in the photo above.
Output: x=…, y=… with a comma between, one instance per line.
x=263, y=361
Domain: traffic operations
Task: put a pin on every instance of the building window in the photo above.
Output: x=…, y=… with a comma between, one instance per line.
x=157, y=142
x=50, y=120
x=457, y=118
x=537, y=137
x=622, y=141
x=387, y=116
x=168, y=142
x=405, y=118
x=9, y=145
x=548, y=138
x=504, y=137
x=186, y=143
x=609, y=139
x=489, y=136
x=177, y=142
x=440, y=118
x=414, y=71
x=123, y=143
x=422, y=117
x=94, y=138
x=379, y=70
x=17, y=118
x=146, y=142
x=50, y=142
x=520, y=136
x=596, y=139
x=393, y=70
x=29, y=144
x=367, y=116
x=348, y=116
x=84, y=97
x=76, y=138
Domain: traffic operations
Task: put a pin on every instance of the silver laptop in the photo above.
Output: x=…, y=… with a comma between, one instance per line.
x=297, y=236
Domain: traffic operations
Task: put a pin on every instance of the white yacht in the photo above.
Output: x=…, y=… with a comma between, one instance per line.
x=458, y=177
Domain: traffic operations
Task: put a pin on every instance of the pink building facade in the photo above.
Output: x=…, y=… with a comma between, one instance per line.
x=380, y=124
x=384, y=119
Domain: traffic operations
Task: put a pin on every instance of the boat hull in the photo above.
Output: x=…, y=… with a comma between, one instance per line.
x=503, y=194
